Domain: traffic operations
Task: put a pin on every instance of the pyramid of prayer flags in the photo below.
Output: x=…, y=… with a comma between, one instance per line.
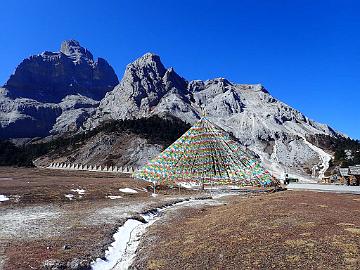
x=205, y=154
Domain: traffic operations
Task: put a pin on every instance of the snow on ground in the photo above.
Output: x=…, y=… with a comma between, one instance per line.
x=223, y=187
x=79, y=191
x=69, y=196
x=118, y=248
x=189, y=184
x=3, y=198
x=326, y=188
x=128, y=190
x=122, y=251
x=114, y=197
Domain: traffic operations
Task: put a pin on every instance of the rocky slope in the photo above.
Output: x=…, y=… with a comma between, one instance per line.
x=121, y=142
x=269, y=127
x=57, y=93
x=53, y=92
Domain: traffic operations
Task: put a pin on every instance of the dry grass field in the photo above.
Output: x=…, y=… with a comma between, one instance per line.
x=40, y=225
x=284, y=230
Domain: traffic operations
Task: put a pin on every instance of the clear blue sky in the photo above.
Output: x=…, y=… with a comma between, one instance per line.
x=305, y=52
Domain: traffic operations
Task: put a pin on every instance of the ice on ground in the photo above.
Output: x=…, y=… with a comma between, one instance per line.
x=122, y=251
x=223, y=187
x=114, y=254
x=79, y=191
x=3, y=198
x=114, y=197
x=128, y=190
x=154, y=195
x=328, y=188
x=69, y=196
x=189, y=184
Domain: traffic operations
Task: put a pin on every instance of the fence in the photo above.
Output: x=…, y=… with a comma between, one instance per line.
x=91, y=168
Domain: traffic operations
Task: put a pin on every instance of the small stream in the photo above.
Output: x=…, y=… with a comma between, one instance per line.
x=122, y=251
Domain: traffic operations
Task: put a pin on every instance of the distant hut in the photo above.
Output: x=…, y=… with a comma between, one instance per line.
x=354, y=175
x=350, y=175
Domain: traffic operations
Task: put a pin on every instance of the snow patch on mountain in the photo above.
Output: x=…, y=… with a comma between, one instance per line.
x=325, y=157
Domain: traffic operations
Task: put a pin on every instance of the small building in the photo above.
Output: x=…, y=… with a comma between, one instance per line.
x=350, y=176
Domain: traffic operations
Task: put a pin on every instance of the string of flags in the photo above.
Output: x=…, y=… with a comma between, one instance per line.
x=205, y=154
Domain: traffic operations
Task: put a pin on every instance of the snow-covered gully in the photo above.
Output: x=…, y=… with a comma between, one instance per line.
x=122, y=251
x=325, y=157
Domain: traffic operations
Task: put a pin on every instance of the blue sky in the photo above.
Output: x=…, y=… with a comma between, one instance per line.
x=306, y=53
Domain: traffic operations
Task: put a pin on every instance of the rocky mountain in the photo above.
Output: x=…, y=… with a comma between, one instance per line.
x=51, y=76
x=276, y=132
x=53, y=92
x=58, y=93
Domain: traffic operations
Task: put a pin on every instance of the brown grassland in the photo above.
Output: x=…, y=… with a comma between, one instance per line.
x=282, y=230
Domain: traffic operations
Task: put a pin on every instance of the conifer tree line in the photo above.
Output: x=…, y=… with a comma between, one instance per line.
x=154, y=129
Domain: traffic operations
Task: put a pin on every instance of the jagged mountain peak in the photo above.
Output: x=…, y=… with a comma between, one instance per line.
x=51, y=76
x=148, y=64
x=149, y=56
x=270, y=128
x=267, y=126
x=73, y=49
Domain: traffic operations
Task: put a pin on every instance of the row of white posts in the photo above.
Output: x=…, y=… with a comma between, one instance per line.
x=92, y=168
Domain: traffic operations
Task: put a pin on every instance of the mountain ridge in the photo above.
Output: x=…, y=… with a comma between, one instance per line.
x=274, y=131
x=269, y=127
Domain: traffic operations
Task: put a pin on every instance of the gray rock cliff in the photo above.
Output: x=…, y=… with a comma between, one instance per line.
x=267, y=126
x=53, y=92
x=51, y=76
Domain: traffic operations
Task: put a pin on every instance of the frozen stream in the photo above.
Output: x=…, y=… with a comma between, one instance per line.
x=122, y=251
